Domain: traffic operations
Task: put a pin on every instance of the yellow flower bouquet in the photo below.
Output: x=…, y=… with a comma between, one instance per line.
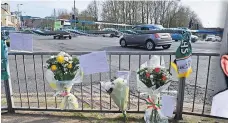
x=62, y=72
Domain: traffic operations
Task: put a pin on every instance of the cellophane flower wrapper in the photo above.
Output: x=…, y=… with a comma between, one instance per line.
x=154, y=62
x=120, y=91
x=59, y=86
x=69, y=101
x=153, y=91
x=63, y=87
x=160, y=118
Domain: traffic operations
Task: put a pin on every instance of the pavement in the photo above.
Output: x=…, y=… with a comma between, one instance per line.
x=47, y=117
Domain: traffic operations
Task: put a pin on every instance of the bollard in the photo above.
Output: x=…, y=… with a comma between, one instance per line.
x=180, y=99
x=9, y=98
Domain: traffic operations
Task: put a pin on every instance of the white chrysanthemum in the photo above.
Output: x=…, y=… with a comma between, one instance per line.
x=151, y=76
x=67, y=55
x=66, y=58
x=61, y=53
x=52, y=57
x=152, y=82
x=107, y=85
x=71, y=62
x=70, y=58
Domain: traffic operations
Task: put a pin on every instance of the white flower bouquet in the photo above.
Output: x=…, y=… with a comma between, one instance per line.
x=119, y=91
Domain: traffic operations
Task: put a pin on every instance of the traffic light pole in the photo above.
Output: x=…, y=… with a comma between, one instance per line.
x=74, y=15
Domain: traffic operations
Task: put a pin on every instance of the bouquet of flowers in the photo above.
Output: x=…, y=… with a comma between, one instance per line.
x=119, y=91
x=62, y=72
x=152, y=79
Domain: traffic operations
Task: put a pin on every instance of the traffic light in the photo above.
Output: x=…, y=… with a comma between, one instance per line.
x=73, y=17
x=76, y=19
x=197, y=26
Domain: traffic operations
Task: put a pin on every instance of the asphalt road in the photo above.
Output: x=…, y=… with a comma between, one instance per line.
x=34, y=80
x=84, y=43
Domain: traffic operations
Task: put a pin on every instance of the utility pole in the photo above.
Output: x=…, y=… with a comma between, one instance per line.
x=18, y=14
x=74, y=15
x=54, y=15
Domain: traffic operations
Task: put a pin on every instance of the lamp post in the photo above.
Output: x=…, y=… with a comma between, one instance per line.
x=18, y=12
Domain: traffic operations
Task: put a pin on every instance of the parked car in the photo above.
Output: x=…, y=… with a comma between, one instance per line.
x=194, y=38
x=176, y=37
x=149, y=41
x=217, y=38
x=210, y=38
x=115, y=34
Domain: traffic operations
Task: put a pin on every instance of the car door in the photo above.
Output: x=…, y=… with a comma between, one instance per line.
x=132, y=38
x=138, y=39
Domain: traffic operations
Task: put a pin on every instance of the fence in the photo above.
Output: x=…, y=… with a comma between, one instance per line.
x=30, y=90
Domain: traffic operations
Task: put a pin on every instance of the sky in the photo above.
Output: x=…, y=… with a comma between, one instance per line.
x=211, y=12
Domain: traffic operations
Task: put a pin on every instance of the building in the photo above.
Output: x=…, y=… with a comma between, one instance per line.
x=8, y=18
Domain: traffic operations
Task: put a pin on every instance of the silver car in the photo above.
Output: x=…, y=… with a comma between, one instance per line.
x=149, y=41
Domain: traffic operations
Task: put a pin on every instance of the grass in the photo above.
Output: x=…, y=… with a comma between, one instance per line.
x=100, y=117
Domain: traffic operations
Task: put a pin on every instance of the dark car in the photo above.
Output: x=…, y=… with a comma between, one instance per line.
x=149, y=41
x=115, y=33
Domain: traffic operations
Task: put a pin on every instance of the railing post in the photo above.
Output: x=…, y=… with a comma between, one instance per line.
x=180, y=99
x=9, y=94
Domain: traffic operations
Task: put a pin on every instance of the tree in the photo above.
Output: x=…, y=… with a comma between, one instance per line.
x=63, y=14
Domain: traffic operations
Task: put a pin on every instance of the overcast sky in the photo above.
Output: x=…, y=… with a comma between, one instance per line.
x=211, y=12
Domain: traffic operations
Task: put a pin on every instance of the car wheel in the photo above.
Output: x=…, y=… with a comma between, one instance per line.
x=54, y=37
x=69, y=37
x=59, y=37
x=123, y=43
x=150, y=45
x=111, y=35
x=166, y=46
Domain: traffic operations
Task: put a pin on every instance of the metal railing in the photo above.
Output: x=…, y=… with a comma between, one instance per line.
x=30, y=90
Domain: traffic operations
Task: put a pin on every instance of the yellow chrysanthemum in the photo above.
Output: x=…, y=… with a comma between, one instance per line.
x=60, y=59
x=53, y=68
x=69, y=66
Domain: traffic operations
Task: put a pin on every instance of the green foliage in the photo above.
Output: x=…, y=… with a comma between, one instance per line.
x=151, y=77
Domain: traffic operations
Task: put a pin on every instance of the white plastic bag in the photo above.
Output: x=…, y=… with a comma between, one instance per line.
x=59, y=85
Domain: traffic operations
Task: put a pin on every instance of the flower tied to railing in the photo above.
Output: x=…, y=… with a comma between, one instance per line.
x=69, y=101
x=151, y=104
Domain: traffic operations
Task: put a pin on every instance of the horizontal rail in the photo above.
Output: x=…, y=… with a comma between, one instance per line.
x=113, y=53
